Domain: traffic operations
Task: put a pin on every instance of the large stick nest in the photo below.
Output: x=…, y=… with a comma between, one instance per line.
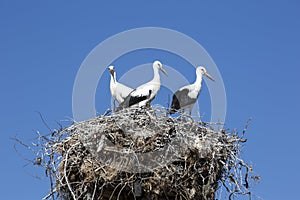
x=143, y=154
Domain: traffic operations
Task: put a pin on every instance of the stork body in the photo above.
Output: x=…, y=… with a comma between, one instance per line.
x=186, y=97
x=144, y=94
x=118, y=91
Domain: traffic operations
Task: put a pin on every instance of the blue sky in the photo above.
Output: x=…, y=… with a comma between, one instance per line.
x=255, y=45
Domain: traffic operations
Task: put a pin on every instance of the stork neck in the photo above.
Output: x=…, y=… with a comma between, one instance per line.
x=198, y=79
x=113, y=78
x=156, y=77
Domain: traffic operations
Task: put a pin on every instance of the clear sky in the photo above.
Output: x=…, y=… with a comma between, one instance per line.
x=255, y=45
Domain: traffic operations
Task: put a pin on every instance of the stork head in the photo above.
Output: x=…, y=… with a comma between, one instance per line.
x=202, y=70
x=159, y=66
x=111, y=70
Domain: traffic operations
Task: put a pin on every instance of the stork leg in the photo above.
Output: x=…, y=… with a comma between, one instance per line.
x=147, y=104
x=114, y=108
x=190, y=111
x=181, y=114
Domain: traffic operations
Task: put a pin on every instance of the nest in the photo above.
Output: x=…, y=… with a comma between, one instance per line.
x=143, y=154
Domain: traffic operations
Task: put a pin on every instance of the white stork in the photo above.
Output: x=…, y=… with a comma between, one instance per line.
x=144, y=94
x=117, y=90
x=187, y=96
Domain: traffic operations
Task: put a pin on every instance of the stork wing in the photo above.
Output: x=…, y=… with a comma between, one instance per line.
x=180, y=100
x=133, y=98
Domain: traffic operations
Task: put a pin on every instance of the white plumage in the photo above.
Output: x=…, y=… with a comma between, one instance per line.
x=117, y=90
x=187, y=96
x=144, y=94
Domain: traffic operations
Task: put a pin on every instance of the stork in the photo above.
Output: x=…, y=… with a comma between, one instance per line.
x=117, y=90
x=144, y=94
x=187, y=96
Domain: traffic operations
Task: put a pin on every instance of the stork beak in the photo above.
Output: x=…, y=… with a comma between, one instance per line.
x=209, y=76
x=111, y=71
x=164, y=71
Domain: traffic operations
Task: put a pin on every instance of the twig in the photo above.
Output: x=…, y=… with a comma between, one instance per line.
x=65, y=171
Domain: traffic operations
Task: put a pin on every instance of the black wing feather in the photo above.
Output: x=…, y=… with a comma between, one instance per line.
x=181, y=99
x=131, y=100
x=136, y=99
